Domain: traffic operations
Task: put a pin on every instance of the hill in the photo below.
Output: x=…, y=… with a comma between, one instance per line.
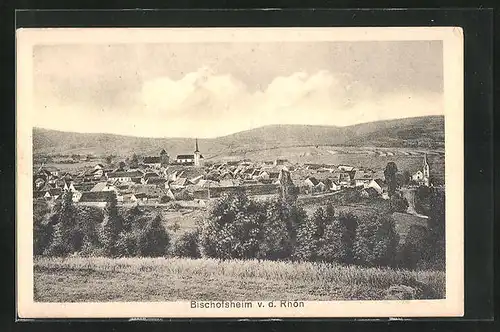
x=421, y=131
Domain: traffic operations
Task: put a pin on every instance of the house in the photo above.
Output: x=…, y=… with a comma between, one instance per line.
x=362, y=178
x=345, y=168
x=377, y=184
x=311, y=183
x=98, y=173
x=124, y=176
x=148, y=175
x=53, y=193
x=274, y=177
x=207, y=184
x=39, y=182
x=247, y=174
x=158, y=181
x=335, y=185
x=99, y=166
x=369, y=192
x=139, y=197
x=185, y=159
x=157, y=161
x=179, y=183
x=99, y=198
x=103, y=186
x=196, y=179
x=226, y=176
x=51, y=170
x=152, y=191
x=280, y=162
x=229, y=183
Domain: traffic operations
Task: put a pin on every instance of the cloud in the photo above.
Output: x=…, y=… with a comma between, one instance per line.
x=204, y=103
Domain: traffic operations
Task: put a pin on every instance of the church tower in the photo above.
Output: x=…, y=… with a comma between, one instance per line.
x=426, y=171
x=197, y=155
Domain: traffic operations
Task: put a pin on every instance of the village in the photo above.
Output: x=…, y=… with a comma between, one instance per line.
x=190, y=178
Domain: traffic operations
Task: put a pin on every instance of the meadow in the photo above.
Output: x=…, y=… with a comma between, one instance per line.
x=79, y=279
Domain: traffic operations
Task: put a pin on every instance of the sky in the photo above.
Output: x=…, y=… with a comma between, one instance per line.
x=215, y=89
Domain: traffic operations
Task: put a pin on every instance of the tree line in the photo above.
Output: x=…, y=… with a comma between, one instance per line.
x=238, y=227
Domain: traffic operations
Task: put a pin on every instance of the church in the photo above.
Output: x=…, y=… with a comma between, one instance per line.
x=157, y=161
x=195, y=159
x=422, y=177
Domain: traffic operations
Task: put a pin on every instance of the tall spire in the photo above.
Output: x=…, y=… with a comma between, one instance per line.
x=196, y=146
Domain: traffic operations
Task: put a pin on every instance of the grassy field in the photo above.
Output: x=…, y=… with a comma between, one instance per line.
x=79, y=279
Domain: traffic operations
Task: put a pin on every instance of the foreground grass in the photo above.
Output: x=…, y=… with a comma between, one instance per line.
x=78, y=279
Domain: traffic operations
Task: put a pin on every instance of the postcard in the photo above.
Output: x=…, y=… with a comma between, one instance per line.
x=240, y=172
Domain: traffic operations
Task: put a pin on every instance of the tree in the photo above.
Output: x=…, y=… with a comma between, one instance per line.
x=187, y=245
x=111, y=227
x=122, y=165
x=134, y=161
x=154, y=240
x=66, y=239
x=232, y=228
x=376, y=241
x=109, y=159
x=397, y=203
x=390, y=177
x=437, y=230
x=406, y=178
x=338, y=240
x=311, y=240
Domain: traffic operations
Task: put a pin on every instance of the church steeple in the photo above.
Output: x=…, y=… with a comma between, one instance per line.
x=426, y=170
x=196, y=146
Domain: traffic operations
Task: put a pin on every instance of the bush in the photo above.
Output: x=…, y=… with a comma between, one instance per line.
x=310, y=236
x=376, y=241
x=126, y=245
x=66, y=237
x=187, y=245
x=238, y=227
x=110, y=228
x=232, y=228
x=153, y=240
x=338, y=240
x=279, y=229
x=437, y=231
x=412, y=252
x=398, y=203
x=42, y=230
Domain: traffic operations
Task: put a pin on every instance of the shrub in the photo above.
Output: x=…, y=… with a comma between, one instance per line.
x=238, y=227
x=376, y=241
x=279, y=229
x=187, y=245
x=232, y=228
x=413, y=251
x=338, y=240
x=130, y=217
x=398, y=203
x=310, y=236
x=153, y=240
x=42, y=230
x=126, y=245
x=66, y=237
x=110, y=228
x=436, y=224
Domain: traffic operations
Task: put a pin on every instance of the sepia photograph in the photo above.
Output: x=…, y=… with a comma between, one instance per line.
x=297, y=172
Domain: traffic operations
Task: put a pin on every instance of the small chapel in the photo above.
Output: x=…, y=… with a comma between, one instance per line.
x=422, y=176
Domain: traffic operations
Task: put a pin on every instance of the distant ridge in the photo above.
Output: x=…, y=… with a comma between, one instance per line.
x=421, y=131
